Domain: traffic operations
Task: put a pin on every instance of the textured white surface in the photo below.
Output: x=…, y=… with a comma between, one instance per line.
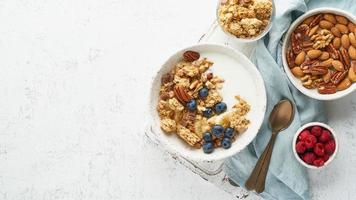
x=73, y=87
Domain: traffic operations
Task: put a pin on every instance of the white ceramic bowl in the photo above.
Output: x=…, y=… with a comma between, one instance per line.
x=309, y=125
x=241, y=78
x=247, y=40
x=313, y=93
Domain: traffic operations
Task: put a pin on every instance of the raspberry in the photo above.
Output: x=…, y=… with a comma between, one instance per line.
x=316, y=131
x=300, y=147
x=325, y=136
x=326, y=157
x=309, y=158
x=303, y=135
x=330, y=147
x=319, y=149
x=310, y=141
x=318, y=162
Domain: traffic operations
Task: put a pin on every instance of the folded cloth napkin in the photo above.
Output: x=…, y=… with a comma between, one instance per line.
x=286, y=178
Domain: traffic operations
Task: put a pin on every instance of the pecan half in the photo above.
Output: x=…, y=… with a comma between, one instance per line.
x=191, y=56
x=316, y=20
x=166, y=78
x=316, y=70
x=307, y=64
x=188, y=118
x=345, y=58
x=337, y=77
x=328, y=88
x=290, y=59
x=296, y=44
x=332, y=51
x=181, y=94
x=307, y=45
x=301, y=32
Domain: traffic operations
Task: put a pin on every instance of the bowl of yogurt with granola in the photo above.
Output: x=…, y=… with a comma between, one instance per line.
x=207, y=103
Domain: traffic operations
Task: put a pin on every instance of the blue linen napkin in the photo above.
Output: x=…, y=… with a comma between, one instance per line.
x=286, y=179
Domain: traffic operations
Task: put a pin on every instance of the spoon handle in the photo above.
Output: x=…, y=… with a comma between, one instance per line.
x=250, y=184
x=260, y=184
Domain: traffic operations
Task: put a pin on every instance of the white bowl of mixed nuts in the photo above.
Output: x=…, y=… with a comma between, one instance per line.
x=207, y=103
x=319, y=53
x=245, y=20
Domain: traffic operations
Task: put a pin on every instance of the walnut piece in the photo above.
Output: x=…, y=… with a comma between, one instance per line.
x=322, y=38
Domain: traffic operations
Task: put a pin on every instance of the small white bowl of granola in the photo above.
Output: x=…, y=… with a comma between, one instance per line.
x=207, y=103
x=245, y=20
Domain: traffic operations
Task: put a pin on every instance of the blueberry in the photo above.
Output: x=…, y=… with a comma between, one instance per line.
x=208, y=112
x=226, y=143
x=220, y=107
x=203, y=92
x=207, y=137
x=229, y=132
x=192, y=105
x=217, y=130
x=208, y=147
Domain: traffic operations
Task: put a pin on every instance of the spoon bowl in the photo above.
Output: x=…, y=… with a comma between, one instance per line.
x=281, y=116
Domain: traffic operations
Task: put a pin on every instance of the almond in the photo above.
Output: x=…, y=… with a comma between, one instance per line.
x=337, y=42
x=352, y=74
x=338, y=65
x=345, y=41
x=296, y=71
x=314, y=53
x=336, y=32
x=346, y=83
x=327, y=77
x=330, y=18
x=352, y=52
x=313, y=30
x=341, y=19
x=325, y=24
x=351, y=26
x=324, y=56
x=352, y=39
x=342, y=28
x=327, y=63
x=300, y=58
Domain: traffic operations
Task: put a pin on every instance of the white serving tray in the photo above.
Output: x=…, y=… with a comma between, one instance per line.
x=212, y=171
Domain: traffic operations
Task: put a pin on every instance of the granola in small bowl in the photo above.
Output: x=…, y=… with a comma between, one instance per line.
x=247, y=20
x=192, y=107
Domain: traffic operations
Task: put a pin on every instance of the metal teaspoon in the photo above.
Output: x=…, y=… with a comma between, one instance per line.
x=280, y=118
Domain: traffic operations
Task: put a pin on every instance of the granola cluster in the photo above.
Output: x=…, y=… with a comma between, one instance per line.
x=245, y=18
x=190, y=103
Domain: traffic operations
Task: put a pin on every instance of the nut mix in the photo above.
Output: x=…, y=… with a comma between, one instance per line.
x=192, y=107
x=322, y=53
x=245, y=18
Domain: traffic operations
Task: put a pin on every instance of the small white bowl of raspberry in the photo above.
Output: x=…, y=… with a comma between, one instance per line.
x=315, y=145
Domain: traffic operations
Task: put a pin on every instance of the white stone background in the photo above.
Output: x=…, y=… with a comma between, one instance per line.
x=74, y=83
